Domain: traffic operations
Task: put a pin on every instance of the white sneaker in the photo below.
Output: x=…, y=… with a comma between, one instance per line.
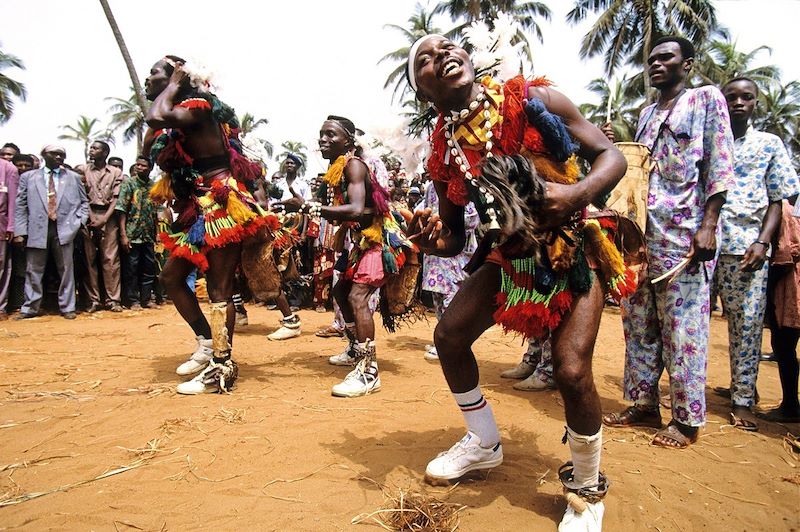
x=215, y=378
x=590, y=520
x=290, y=328
x=241, y=318
x=348, y=357
x=534, y=383
x=199, y=359
x=432, y=355
x=284, y=333
x=522, y=370
x=363, y=380
x=465, y=456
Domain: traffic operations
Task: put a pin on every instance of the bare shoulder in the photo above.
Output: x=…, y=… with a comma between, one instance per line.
x=555, y=101
x=356, y=169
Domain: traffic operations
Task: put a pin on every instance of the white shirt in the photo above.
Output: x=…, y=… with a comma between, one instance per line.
x=299, y=185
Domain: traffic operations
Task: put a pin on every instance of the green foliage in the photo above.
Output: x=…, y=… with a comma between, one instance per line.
x=128, y=116
x=296, y=147
x=625, y=30
x=10, y=88
x=249, y=123
x=420, y=23
x=84, y=131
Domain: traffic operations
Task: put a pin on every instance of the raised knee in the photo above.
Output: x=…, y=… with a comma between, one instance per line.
x=168, y=279
x=447, y=340
x=573, y=378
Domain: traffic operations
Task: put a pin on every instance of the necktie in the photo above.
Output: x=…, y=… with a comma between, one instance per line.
x=51, y=198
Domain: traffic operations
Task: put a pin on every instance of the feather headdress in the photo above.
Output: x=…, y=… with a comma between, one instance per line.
x=200, y=76
x=493, y=51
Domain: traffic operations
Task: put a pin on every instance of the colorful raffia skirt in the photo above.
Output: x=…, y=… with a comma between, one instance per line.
x=536, y=293
x=225, y=214
x=378, y=250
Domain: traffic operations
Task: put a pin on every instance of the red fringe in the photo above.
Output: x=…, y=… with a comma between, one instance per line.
x=609, y=223
x=532, y=319
x=172, y=156
x=242, y=168
x=184, y=252
x=195, y=103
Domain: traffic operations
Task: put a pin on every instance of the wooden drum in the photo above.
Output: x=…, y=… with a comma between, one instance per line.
x=629, y=197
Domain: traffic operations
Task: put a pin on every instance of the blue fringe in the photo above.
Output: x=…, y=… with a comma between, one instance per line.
x=197, y=233
x=389, y=262
x=554, y=133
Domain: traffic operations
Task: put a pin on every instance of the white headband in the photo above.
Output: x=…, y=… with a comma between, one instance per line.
x=412, y=55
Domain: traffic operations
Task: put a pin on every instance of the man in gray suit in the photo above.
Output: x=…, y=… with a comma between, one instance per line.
x=51, y=207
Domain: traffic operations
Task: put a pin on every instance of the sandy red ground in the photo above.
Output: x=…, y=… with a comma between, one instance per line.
x=82, y=398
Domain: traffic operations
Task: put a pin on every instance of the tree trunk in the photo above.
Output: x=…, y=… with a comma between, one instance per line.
x=137, y=85
x=139, y=140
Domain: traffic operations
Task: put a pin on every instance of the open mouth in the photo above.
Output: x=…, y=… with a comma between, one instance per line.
x=449, y=67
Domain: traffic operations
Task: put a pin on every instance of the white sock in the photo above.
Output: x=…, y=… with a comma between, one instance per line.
x=478, y=416
x=585, y=452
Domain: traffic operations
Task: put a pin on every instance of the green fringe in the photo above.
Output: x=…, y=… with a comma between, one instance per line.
x=580, y=275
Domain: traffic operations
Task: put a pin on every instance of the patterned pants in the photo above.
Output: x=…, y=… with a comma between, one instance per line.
x=744, y=295
x=666, y=328
x=540, y=355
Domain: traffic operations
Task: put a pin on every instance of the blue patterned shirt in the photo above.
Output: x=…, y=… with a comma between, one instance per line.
x=763, y=174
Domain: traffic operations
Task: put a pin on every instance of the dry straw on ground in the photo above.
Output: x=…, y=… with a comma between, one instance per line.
x=413, y=511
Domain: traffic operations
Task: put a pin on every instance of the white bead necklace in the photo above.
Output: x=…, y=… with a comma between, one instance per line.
x=451, y=122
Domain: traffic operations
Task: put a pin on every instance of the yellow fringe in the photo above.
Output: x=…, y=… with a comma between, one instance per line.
x=374, y=233
x=237, y=210
x=161, y=191
x=608, y=255
x=565, y=173
x=561, y=254
x=333, y=177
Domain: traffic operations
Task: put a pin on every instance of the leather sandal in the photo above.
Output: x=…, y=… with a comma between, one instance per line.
x=634, y=416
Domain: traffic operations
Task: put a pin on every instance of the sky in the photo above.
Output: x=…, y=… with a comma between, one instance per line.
x=292, y=62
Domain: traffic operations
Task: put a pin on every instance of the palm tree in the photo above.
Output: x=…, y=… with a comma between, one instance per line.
x=719, y=62
x=626, y=29
x=249, y=123
x=419, y=25
x=526, y=13
x=296, y=147
x=126, y=56
x=624, y=108
x=8, y=87
x=126, y=115
x=779, y=113
x=84, y=131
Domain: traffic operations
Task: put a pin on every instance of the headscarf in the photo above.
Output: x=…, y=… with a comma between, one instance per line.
x=54, y=147
x=295, y=159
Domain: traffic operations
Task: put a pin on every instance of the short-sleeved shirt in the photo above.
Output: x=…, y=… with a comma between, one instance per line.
x=692, y=161
x=763, y=175
x=102, y=184
x=134, y=200
x=298, y=185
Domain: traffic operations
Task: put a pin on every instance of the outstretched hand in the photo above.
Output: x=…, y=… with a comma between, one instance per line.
x=292, y=204
x=427, y=230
